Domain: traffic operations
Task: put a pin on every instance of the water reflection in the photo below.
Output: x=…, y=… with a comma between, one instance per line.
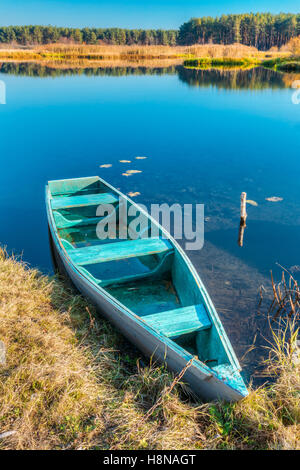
x=258, y=78
x=32, y=69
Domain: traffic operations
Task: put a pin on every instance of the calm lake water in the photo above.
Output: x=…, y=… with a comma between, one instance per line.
x=207, y=136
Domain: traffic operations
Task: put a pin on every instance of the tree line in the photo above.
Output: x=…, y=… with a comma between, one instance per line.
x=51, y=34
x=261, y=30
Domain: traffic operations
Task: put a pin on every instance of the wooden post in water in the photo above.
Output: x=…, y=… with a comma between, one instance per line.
x=243, y=208
x=243, y=218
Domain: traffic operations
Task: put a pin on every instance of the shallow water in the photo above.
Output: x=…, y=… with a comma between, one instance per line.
x=207, y=136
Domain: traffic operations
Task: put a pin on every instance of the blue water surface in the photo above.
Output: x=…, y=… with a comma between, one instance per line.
x=206, y=140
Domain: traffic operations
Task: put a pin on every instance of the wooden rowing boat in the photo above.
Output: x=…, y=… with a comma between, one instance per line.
x=146, y=286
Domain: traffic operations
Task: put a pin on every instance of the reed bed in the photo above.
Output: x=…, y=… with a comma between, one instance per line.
x=227, y=62
x=284, y=64
x=94, y=52
x=235, y=51
x=70, y=381
x=131, y=53
x=286, y=301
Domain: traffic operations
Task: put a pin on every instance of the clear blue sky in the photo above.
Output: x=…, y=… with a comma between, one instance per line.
x=129, y=13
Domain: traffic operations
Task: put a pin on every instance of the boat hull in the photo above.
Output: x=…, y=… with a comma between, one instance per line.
x=204, y=384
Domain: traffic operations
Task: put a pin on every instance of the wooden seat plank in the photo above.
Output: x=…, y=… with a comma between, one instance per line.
x=181, y=321
x=63, y=222
x=119, y=250
x=67, y=202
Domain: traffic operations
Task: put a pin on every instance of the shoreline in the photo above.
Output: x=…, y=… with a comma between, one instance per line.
x=196, y=56
x=101, y=52
x=70, y=381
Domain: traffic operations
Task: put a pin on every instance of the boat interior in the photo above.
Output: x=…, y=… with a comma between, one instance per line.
x=145, y=273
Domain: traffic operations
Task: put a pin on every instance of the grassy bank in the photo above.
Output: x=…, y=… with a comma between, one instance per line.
x=70, y=381
x=281, y=64
x=61, y=52
x=284, y=64
x=227, y=62
x=195, y=56
x=90, y=52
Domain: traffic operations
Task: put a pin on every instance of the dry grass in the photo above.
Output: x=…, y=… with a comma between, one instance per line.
x=293, y=46
x=71, y=382
x=111, y=51
x=94, y=52
x=234, y=51
x=134, y=53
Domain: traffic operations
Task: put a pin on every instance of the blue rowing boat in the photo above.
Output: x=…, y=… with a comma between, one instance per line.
x=146, y=286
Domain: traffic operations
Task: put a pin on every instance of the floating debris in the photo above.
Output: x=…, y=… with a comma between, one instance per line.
x=140, y=158
x=131, y=194
x=131, y=172
x=274, y=199
x=126, y=174
x=106, y=165
x=252, y=203
x=125, y=161
x=295, y=269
